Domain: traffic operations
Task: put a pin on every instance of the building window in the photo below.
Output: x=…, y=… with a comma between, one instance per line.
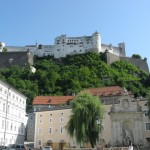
x=40, y=46
x=145, y=104
x=39, y=131
x=5, y=92
x=39, y=142
x=50, y=119
x=19, y=113
x=11, y=127
x=31, y=125
x=3, y=107
x=7, y=125
x=61, y=130
x=1, y=89
x=50, y=130
x=62, y=119
x=62, y=113
x=147, y=126
x=31, y=117
x=30, y=132
x=6, y=140
x=40, y=120
x=146, y=112
x=103, y=127
x=2, y=124
x=22, y=127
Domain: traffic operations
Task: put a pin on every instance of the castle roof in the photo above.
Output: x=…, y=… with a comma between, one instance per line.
x=107, y=91
x=56, y=100
x=51, y=100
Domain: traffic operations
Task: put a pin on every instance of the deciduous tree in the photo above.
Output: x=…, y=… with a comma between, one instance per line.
x=86, y=110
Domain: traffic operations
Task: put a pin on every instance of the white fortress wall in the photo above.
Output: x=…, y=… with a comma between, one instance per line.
x=119, y=51
x=68, y=46
x=64, y=46
x=44, y=50
x=15, y=48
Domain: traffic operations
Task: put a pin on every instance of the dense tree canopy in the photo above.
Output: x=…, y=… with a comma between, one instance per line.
x=74, y=73
x=136, y=56
x=86, y=111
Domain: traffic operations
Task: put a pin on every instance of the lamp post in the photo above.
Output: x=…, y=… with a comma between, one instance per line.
x=6, y=116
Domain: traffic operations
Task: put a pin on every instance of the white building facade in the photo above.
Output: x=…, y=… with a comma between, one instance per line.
x=64, y=46
x=12, y=115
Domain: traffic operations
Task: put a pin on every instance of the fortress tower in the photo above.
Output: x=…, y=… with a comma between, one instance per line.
x=122, y=49
x=96, y=42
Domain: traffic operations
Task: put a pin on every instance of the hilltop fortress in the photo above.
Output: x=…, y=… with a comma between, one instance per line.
x=64, y=46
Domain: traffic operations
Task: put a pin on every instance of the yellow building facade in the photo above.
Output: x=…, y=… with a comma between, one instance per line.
x=122, y=113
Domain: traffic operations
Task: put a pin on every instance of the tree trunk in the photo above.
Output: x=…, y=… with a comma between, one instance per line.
x=91, y=142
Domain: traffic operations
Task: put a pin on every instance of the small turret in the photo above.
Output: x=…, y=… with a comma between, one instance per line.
x=2, y=45
x=122, y=49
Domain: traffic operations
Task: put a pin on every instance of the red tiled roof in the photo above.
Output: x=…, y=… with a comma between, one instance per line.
x=51, y=100
x=101, y=91
x=107, y=91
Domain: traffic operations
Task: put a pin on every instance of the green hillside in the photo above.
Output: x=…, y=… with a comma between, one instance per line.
x=73, y=74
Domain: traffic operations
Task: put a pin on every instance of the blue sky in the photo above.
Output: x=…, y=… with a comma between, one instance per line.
x=24, y=22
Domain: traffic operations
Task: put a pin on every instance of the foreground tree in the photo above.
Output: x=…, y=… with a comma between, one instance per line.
x=87, y=110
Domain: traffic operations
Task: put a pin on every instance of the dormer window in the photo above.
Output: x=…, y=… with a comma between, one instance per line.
x=104, y=94
x=40, y=46
x=49, y=101
x=96, y=94
x=112, y=93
